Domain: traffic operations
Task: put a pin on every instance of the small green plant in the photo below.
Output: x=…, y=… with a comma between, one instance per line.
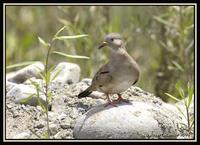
x=187, y=98
x=47, y=77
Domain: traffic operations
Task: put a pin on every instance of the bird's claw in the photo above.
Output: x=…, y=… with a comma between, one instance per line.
x=110, y=103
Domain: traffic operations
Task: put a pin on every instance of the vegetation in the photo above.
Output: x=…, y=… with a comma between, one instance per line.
x=160, y=38
x=187, y=98
x=47, y=76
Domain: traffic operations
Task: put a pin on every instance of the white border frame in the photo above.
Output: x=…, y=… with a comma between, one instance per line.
x=99, y=4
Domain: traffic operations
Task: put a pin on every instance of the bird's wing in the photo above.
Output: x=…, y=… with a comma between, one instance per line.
x=102, y=77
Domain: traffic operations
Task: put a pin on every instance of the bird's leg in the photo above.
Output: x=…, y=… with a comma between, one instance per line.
x=119, y=99
x=109, y=102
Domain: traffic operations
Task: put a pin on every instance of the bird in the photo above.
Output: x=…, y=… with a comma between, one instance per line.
x=118, y=74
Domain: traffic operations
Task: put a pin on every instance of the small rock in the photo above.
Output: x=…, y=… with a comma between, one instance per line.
x=23, y=135
x=74, y=113
x=39, y=124
x=21, y=94
x=88, y=81
x=58, y=104
x=53, y=117
x=53, y=128
x=27, y=72
x=9, y=85
x=62, y=116
x=69, y=74
x=66, y=123
x=64, y=134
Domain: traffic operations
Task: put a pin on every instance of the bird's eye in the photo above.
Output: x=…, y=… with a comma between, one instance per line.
x=111, y=39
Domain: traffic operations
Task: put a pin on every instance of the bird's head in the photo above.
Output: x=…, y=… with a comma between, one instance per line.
x=112, y=40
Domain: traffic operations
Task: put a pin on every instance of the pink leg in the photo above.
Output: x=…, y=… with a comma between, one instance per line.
x=119, y=99
x=110, y=102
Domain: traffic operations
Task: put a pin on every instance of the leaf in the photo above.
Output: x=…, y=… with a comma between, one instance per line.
x=45, y=135
x=61, y=29
x=43, y=42
x=178, y=66
x=70, y=56
x=40, y=103
x=191, y=121
x=190, y=93
x=179, y=109
x=51, y=68
x=33, y=132
x=20, y=64
x=163, y=21
x=41, y=75
x=48, y=77
x=181, y=93
x=49, y=95
x=25, y=100
x=57, y=72
x=37, y=67
x=70, y=37
x=174, y=98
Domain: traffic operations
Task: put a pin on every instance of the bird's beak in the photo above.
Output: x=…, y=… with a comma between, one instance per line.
x=103, y=44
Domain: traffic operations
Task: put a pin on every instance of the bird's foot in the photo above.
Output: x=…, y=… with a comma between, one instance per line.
x=110, y=103
x=120, y=99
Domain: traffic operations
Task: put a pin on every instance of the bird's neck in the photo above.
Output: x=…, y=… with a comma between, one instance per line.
x=118, y=53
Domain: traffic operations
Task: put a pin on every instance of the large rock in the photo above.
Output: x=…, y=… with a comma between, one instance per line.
x=70, y=73
x=22, y=92
x=134, y=120
x=10, y=85
x=27, y=72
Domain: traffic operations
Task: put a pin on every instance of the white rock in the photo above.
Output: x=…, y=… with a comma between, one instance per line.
x=58, y=104
x=23, y=135
x=69, y=74
x=10, y=85
x=135, y=120
x=21, y=92
x=26, y=72
x=53, y=128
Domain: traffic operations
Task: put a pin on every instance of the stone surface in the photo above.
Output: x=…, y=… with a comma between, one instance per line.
x=70, y=73
x=135, y=120
x=67, y=108
x=58, y=104
x=10, y=85
x=21, y=92
x=23, y=135
x=53, y=128
x=25, y=73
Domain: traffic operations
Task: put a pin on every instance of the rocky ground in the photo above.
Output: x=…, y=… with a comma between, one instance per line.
x=67, y=113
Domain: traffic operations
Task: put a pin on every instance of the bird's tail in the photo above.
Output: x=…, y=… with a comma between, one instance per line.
x=85, y=93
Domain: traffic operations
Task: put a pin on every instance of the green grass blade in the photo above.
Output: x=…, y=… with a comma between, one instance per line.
x=70, y=37
x=179, y=109
x=33, y=132
x=190, y=93
x=59, y=31
x=51, y=68
x=41, y=75
x=20, y=64
x=48, y=77
x=70, y=56
x=49, y=95
x=57, y=72
x=174, y=98
x=43, y=42
x=164, y=21
x=178, y=66
x=25, y=100
x=191, y=121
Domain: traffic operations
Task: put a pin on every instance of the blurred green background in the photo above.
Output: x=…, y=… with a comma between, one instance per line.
x=160, y=38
